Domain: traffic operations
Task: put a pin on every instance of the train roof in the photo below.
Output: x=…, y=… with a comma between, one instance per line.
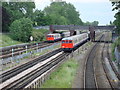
x=54, y=34
x=72, y=37
x=66, y=32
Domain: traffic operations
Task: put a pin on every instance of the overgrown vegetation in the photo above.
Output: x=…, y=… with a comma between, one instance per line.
x=12, y=11
x=21, y=29
x=114, y=45
x=63, y=77
x=39, y=34
x=117, y=16
x=6, y=40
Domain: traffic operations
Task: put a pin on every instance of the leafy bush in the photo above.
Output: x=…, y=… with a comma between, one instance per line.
x=39, y=35
x=117, y=42
x=21, y=29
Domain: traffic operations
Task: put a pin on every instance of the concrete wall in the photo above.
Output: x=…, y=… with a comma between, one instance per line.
x=117, y=55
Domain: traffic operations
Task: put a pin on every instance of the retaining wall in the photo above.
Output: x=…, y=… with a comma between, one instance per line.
x=117, y=55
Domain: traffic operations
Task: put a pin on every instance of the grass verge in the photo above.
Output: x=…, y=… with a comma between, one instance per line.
x=39, y=35
x=7, y=41
x=63, y=77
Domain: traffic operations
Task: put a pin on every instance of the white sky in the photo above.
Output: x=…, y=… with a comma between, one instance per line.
x=90, y=10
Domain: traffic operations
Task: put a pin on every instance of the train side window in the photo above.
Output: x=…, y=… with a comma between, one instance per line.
x=63, y=41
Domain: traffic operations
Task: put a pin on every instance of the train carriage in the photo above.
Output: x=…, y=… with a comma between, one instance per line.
x=56, y=36
x=65, y=34
x=53, y=37
x=69, y=43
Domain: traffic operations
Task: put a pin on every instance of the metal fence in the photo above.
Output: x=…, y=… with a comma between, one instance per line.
x=18, y=58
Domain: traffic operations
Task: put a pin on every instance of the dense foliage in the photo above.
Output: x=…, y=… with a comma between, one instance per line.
x=15, y=10
x=39, y=35
x=117, y=16
x=94, y=23
x=63, y=13
x=40, y=19
x=21, y=29
x=58, y=13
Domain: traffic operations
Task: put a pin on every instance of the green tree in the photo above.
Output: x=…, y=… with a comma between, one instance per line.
x=15, y=10
x=21, y=29
x=63, y=13
x=5, y=17
x=94, y=23
x=41, y=19
x=117, y=15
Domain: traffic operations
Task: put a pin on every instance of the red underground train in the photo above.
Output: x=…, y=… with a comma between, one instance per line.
x=53, y=37
x=69, y=43
x=56, y=36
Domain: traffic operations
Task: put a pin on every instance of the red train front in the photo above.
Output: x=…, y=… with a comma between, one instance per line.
x=67, y=44
x=53, y=37
x=50, y=38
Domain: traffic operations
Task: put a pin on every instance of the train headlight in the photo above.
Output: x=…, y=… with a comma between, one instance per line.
x=63, y=46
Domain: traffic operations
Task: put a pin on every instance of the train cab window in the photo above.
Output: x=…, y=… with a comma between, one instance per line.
x=67, y=41
x=70, y=41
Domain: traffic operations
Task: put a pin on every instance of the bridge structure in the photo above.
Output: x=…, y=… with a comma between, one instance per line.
x=78, y=27
x=74, y=29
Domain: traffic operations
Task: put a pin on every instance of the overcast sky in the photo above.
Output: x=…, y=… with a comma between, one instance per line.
x=90, y=10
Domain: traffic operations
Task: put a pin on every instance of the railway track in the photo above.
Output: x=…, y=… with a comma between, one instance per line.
x=9, y=80
x=111, y=63
x=7, y=75
x=89, y=76
x=30, y=76
x=13, y=51
x=96, y=72
x=22, y=82
x=113, y=80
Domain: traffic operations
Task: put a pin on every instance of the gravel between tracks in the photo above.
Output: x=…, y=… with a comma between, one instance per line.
x=78, y=81
x=79, y=78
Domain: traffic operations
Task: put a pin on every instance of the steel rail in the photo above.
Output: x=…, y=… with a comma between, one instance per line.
x=7, y=75
x=89, y=76
x=22, y=82
x=106, y=47
x=22, y=50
